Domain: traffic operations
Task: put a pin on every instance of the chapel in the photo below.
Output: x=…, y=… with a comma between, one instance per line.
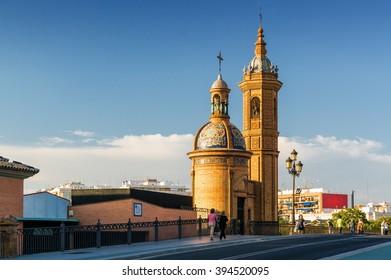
x=237, y=171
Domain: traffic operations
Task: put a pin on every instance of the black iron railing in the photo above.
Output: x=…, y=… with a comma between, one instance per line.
x=1, y=244
x=49, y=239
x=64, y=238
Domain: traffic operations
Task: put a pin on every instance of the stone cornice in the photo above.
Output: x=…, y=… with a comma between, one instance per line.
x=250, y=82
x=219, y=152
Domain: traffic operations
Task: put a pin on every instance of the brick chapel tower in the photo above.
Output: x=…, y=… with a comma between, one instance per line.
x=219, y=158
x=260, y=88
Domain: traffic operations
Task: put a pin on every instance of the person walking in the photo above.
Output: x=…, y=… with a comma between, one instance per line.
x=384, y=227
x=352, y=226
x=339, y=224
x=300, y=225
x=222, y=224
x=331, y=226
x=360, y=226
x=212, y=218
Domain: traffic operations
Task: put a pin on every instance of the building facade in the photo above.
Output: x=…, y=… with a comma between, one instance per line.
x=376, y=211
x=156, y=185
x=12, y=176
x=65, y=190
x=312, y=203
x=137, y=211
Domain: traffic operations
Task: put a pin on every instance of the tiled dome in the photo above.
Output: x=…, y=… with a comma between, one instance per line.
x=218, y=135
x=237, y=138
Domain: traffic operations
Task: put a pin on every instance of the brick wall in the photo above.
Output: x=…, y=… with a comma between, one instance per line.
x=119, y=211
x=11, y=197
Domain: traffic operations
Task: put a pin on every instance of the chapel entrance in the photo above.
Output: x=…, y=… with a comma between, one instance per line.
x=240, y=213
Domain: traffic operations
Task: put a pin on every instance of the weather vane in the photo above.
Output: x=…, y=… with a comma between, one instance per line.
x=220, y=58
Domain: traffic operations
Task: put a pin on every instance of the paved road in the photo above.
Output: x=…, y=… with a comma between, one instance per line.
x=309, y=248
x=247, y=248
x=274, y=247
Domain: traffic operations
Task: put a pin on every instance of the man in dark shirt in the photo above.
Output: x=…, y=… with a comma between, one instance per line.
x=222, y=224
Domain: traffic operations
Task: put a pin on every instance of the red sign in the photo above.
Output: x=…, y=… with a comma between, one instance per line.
x=335, y=201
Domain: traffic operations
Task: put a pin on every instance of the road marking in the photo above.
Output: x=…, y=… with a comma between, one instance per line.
x=282, y=248
x=358, y=251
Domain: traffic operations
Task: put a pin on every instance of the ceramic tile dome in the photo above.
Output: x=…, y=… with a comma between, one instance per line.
x=220, y=135
x=237, y=138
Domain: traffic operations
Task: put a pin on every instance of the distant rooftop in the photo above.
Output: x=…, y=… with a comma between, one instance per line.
x=305, y=190
x=68, y=189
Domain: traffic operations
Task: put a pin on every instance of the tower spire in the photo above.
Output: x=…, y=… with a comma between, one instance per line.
x=260, y=44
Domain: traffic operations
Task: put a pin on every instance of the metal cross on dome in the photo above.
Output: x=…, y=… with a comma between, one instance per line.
x=220, y=58
x=260, y=14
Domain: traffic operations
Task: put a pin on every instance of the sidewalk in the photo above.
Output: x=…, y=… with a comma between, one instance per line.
x=145, y=249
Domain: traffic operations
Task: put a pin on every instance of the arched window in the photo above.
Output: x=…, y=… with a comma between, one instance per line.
x=216, y=104
x=255, y=107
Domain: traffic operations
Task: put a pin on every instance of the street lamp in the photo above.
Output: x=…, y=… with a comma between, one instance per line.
x=295, y=170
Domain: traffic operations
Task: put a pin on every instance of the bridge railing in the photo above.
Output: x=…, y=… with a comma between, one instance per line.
x=287, y=229
x=2, y=243
x=62, y=238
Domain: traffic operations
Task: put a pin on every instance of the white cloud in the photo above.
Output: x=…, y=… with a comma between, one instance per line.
x=83, y=133
x=72, y=138
x=129, y=157
x=354, y=148
x=56, y=140
x=322, y=146
x=337, y=164
x=88, y=140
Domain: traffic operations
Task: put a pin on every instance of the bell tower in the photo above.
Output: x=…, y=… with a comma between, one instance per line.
x=260, y=86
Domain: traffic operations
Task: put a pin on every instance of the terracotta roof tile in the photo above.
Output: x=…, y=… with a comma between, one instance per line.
x=5, y=164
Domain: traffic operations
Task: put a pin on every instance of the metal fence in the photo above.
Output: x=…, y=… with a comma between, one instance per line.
x=49, y=239
x=1, y=244
x=63, y=238
x=287, y=229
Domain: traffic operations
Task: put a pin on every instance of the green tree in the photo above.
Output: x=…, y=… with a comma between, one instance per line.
x=375, y=225
x=347, y=214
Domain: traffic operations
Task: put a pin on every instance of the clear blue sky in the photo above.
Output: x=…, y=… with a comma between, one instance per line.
x=82, y=76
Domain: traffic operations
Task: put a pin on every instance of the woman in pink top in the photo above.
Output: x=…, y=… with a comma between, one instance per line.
x=212, y=218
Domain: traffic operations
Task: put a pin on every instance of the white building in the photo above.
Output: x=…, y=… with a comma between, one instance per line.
x=65, y=190
x=155, y=185
x=315, y=204
x=375, y=211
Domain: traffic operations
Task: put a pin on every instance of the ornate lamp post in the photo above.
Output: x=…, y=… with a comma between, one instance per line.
x=295, y=170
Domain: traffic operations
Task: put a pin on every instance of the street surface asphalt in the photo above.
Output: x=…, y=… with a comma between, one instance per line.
x=379, y=249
